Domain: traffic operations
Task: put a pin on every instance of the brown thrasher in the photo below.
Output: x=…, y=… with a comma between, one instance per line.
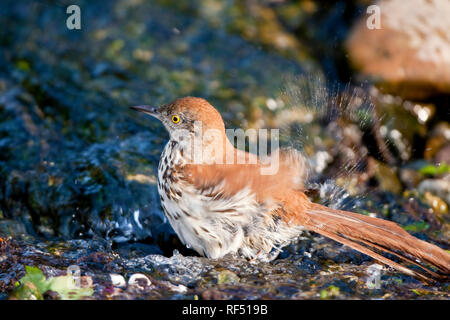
x=217, y=206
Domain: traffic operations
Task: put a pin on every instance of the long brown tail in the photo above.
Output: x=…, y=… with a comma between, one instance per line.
x=371, y=236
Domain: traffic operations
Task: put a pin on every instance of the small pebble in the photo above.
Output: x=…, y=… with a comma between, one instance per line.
x=140, y=280
x=117, y=280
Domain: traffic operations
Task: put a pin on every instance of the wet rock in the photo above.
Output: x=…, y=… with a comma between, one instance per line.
x=438, y=205
x=443, y=155
x=386, y=177
x=255, y=21
x=423, y=213
x=437, y=145
x=410, y=177
x=399, y=125
x=410, y=53
x=214, y=294
x=179, y=288
x=12, y=228
x=133, y=250
x=438, y=187
x=281, y=279
x=330, y=292
x=227, y=277
x=51, y=295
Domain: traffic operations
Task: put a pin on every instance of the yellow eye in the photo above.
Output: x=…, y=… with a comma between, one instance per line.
x=175, y=119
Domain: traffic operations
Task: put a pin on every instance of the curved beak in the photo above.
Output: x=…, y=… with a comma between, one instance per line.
x=153, y=111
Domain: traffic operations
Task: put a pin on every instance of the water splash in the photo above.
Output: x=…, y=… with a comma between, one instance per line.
x=328, y=122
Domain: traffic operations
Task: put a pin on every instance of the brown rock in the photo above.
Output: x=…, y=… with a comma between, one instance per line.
x=438, y=144
x=410, y=54
x=386, y=176
x=411, y=178
x=443, y=156
x=438, y=187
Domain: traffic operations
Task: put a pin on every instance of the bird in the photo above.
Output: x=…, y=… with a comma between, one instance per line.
x=218, y=205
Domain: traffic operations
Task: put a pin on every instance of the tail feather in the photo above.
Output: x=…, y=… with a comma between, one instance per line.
x=369, y=235
x=401, y=256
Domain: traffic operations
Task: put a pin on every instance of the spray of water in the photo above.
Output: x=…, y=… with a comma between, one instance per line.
x=326, y=121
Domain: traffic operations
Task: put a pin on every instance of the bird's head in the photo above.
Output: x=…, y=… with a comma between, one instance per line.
x=184, y=113
x=192, y=121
